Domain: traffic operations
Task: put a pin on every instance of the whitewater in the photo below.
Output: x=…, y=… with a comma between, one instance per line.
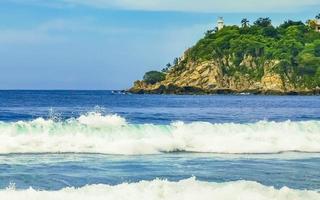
x=188, y=189
x=112, y=134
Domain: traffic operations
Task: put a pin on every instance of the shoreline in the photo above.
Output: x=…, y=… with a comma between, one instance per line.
x=174, y=90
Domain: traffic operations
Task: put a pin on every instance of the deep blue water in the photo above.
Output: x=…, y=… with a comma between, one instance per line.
x=158, y=109
x=56, y=171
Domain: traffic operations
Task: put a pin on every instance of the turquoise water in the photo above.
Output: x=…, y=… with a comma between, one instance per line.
x=56, y=171
x=96, y=141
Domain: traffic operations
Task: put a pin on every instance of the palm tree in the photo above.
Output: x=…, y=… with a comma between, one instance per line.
x=245, y=22
x=176, y=61
x=318, y=16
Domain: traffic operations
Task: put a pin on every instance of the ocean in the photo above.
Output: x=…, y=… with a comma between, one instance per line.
x=94, y=145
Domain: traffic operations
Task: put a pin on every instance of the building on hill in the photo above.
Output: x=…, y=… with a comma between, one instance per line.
x=317, y=25
x=220, y=23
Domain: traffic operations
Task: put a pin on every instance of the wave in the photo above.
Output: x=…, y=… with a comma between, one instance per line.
x=189, y=189
x=112, y=134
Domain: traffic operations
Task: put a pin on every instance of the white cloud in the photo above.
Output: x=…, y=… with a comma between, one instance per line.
x=61, y=30
x=27, y=36
x=52, y=31
x=199, y=5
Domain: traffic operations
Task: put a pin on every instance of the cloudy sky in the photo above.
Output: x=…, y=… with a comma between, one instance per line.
x=107, y=44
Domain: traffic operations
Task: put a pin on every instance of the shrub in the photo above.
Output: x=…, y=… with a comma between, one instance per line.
x=153, y=77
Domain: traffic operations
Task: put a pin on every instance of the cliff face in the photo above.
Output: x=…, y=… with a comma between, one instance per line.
x=209, y=77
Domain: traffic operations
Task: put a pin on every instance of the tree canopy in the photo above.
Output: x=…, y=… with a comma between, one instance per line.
x=295, y=45
x=153, y=77
x=263, y=22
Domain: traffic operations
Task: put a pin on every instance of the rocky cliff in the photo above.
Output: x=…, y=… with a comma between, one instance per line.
x=209, y=77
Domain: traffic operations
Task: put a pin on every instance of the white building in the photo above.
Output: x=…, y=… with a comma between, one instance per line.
x=220, y=23
x=318, y=25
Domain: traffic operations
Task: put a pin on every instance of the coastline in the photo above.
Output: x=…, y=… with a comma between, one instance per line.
x=176, y=90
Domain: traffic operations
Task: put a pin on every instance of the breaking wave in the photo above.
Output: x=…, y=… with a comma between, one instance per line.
x=112, y=134
x=161, y=189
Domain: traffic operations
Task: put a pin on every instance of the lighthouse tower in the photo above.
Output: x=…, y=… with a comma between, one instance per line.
x=220, y=23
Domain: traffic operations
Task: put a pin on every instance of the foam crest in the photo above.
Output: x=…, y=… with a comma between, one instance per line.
x=97, y=120
x=161, y=189
x=111, y=134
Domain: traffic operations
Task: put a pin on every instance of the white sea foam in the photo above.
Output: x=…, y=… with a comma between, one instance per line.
x=189, y=189
x=111, y=134
x=97, y=120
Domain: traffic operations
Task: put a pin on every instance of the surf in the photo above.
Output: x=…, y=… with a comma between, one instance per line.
x=113, y=134
x=163, y=189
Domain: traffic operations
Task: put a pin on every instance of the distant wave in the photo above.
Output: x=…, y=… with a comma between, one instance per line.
x=189, y=189
x=112, y=134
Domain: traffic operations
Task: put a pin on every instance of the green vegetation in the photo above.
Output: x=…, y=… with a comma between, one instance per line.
x=294, y=45
x=245, y=22
x=153, y=77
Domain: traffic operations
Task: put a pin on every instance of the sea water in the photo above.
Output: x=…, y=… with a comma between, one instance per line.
x=109, y=145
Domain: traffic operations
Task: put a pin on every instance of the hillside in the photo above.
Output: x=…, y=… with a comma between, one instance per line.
x=258, y=59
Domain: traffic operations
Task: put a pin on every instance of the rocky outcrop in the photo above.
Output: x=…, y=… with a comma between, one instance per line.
x=272, y=82
x=212, y=77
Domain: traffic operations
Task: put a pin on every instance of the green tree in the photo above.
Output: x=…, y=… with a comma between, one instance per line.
x=176, y=61
x=289, y=23
x=209, y=32
x=308, y=59
x=263, y=22
x=317, y=50
x=153, y=77
x=270, y=31
x=245, y=22
x=168, y=66
x=318, y=16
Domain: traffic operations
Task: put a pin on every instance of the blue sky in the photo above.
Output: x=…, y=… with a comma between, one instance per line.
x=107, y=44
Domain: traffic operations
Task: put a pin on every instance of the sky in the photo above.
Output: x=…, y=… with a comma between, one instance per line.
x=108, y=44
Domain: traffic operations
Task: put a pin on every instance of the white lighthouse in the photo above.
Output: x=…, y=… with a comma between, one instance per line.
x=220, y=23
